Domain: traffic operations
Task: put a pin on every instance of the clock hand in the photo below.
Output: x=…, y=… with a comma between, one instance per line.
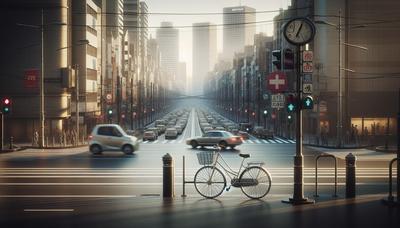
x=298, y=31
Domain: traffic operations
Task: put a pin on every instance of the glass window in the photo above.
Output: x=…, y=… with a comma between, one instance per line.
x=104, y=131
x=116, y=132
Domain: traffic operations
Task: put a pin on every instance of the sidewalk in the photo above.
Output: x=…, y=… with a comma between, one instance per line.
x=362, y=154
x=365, y=211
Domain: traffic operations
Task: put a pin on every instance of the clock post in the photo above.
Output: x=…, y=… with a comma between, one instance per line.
x=297, y=26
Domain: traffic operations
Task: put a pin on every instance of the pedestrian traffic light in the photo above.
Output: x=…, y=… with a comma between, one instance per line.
x=277, y=61
x=291, y=104
x=288, y=59
x=308, y=102
x=6, y=105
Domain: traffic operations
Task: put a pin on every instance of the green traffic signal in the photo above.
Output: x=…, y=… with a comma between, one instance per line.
x=308, y=102
x=265, y=112
x=291, y=104
x=290, y=118
x=6, y=106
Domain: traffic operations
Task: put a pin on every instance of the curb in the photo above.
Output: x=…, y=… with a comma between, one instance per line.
x=333, y=147
x=391, y=149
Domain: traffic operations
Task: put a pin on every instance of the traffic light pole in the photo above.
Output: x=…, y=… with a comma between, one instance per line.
x=77, y=101
x=2, y=131
x=298, y=191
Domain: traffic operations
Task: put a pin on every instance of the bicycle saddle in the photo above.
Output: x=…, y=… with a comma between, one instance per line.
x=244, y=155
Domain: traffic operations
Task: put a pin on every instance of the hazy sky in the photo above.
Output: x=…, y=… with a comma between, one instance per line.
x=205, y=6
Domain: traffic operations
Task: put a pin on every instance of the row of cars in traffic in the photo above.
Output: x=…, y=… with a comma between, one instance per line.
x=172, y=125
x=217, y=130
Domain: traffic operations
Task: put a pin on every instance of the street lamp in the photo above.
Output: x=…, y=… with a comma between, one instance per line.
x=339, y=27
x=41, y=84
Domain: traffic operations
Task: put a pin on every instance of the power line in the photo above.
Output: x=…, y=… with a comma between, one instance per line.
x=190, y=14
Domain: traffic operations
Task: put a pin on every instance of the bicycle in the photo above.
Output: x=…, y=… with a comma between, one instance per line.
x=210, y=182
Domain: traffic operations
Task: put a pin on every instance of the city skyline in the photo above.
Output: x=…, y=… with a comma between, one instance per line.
x=207, y=6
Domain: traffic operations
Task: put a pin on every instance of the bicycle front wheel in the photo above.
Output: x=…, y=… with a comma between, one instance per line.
x=209, y=182
x=255, y=182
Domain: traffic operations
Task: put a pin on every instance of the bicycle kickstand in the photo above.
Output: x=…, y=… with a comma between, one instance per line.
x=228, y=188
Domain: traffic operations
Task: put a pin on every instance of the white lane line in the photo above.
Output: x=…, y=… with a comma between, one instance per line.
x=165, y=141
x=67, y=196
x=250, y=141
x=265, y=141
x=291, y=141
x=156, y=141
x=173, y=141
x=284, y=141
x=146, y=142
x=257, y=141
x=193, y=124
x=48, y=210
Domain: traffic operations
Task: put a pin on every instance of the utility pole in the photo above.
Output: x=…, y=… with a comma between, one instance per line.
x=2, y=131
x=77, y=101
x=339, y=103
x=41, y=88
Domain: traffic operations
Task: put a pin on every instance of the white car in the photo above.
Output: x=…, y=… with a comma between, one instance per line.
x=171, y=133
x=111, y=137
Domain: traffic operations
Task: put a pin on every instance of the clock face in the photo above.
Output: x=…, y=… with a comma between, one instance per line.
x=299, y=31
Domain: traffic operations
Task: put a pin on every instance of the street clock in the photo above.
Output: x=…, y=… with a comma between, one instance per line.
x=299, y=31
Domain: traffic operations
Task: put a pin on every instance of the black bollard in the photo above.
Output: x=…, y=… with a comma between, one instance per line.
x=351, y=176
x=168, y=176
x=11, y=143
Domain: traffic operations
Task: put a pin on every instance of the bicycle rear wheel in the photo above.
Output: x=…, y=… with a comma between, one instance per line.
x=209, y=182
x=255, y=182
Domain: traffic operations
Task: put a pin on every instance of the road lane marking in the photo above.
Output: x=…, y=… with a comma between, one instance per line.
x=48, y=210
x=192, y=133
x=146, y=142
x=156, y=141
x=173, y=141
x=165, y=141
x=67, y=196
x=292, y=141
x=265, y=141
x=271, y=141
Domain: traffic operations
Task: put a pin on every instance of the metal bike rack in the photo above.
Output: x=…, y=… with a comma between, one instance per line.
x=316, y=173
x=184, y=182
x=390, y=197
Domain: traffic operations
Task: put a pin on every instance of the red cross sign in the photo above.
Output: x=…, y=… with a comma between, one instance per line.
x=276, y=82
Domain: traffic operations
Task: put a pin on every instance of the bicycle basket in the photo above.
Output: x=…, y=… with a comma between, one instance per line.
x=206, y=157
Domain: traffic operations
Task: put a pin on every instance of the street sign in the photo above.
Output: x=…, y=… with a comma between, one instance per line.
x=307, y=88
x=31, y=79
x=307, y=78
x=278, y=100
x=277, y=82
x=308, y=67
x=308, y=56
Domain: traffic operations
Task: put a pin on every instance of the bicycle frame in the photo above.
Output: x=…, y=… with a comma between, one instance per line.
x=228, y=170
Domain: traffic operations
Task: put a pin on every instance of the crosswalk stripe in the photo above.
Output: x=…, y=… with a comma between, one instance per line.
x=278, y=141
x=265, y=141
x=257, y=141
x=271, y=141
x=292, y=141
x=156, y=141
x=146, y=142
x=250, y=141
x=173, y=141
x=165, y=141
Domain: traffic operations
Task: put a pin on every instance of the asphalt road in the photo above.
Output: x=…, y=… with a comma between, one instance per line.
x=71, y=180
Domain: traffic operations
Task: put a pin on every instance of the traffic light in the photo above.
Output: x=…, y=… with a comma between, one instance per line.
x=277, y=61
x=308, y=102
x=110, y=113
x=290, y=118
x=265, y=112
x=288, y=59
x=291, y=104
x=6, y=105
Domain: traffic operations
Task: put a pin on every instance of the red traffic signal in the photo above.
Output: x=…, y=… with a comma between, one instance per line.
x=6, y=105
x=288, y=59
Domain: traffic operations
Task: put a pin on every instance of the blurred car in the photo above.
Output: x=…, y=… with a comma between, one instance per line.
x=161, y=128
x=248, y=127
x=171, y=133
x=179, y=129
x=223, y=139
x=206, y=129
x=244, y=135
x=111, y=137
x=149, y=135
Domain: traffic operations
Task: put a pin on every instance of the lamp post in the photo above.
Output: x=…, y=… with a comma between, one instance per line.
x=339, y=27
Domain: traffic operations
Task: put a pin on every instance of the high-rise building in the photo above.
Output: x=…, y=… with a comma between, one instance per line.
x=181, y=78
x=237, y=31
x=168, y=41
x=204, y=54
